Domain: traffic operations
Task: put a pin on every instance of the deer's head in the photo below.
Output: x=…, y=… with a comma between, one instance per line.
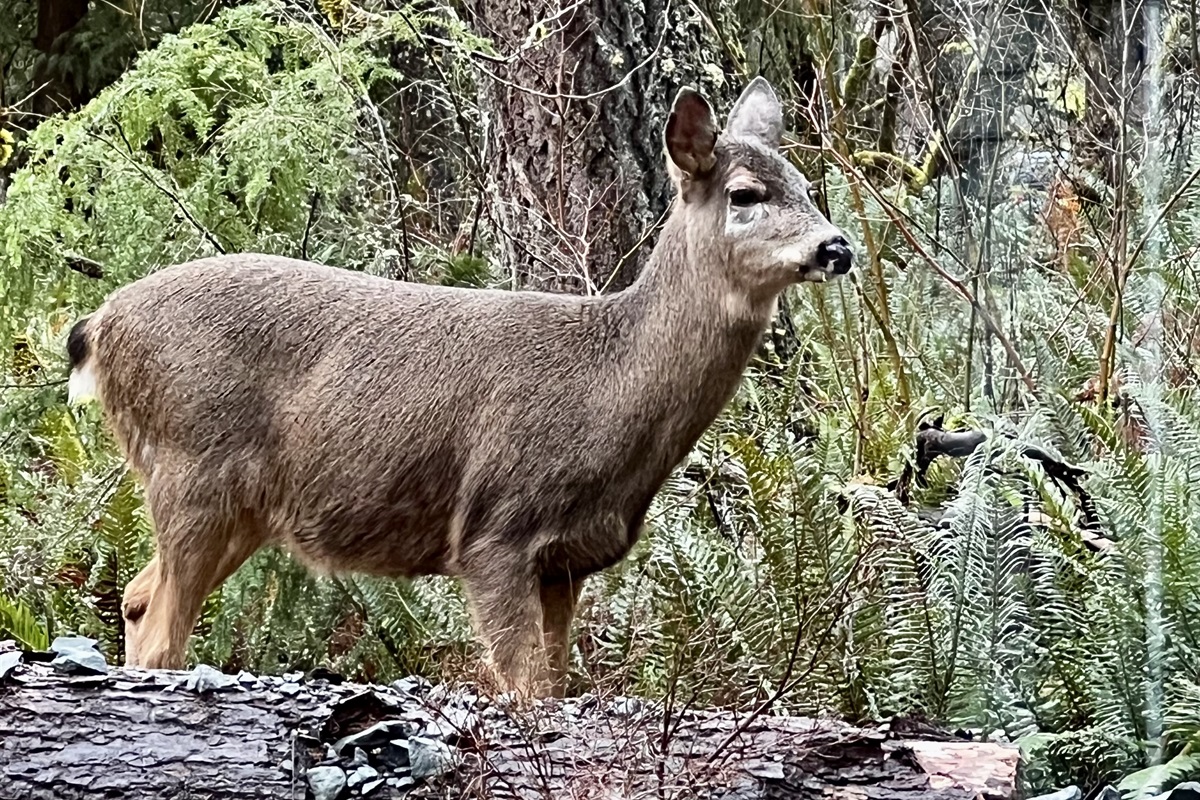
x=738, y=187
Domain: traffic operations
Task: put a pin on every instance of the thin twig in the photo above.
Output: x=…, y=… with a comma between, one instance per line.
x=312, y=214
x=58, y=382
x=787, y=682
x=960, y=288
x=183, y=209
x=1162, y=212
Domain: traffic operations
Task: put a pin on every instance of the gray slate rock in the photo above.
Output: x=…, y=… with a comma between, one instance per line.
x=77, y=656
x=394, y=755
x=63, y=644
x=626, y=706
x=80, y=662
x=370, y=786
x=462, y=719
x=8, y=662
x=413, y=684
x=1069, y=793
x=429, y=758
x=209, y=679
x=584, y=703
x=1188, y=790
x=378, y=734
x=769, y=770
x=327, y=783
x=361, y=776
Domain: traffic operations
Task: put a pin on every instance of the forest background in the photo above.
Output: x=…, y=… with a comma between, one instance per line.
x=1018, y=179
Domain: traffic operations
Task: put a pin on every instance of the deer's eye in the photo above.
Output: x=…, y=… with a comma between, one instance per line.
x=746, y=197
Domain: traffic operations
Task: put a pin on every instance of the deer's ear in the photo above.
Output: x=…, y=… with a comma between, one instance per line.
x=691, y=134
x=757, y=114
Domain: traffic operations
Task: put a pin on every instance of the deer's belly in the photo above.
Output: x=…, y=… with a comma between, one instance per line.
x=390, y=542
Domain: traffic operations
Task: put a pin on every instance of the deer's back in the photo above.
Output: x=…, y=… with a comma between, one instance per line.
x=369, y=424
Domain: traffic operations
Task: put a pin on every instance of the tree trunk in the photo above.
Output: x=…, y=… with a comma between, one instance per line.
x=133, y=734
x=576, y=109
x=56, y=19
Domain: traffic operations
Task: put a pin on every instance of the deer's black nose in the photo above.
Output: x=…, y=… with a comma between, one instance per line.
x=835, y=254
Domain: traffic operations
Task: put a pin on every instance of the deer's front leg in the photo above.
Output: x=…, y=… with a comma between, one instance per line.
x=507, y=610
x=559, y=598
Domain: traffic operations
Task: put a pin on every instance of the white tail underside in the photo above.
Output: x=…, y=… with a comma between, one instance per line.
x=81, y=386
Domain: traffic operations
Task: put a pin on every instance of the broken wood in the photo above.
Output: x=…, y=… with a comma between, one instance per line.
x=136, y=734
x=85, y=266
x=933, y=440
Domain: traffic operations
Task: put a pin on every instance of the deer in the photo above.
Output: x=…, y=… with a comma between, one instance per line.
x=512, y=440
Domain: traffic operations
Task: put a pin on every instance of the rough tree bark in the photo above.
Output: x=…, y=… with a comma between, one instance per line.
x=133, y=735
x=575, y=108
x=56, y=19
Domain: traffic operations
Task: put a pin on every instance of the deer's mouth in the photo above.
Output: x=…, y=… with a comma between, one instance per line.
x=811, y=274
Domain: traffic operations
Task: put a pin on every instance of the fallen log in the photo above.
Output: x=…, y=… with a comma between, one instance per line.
x=135, y=734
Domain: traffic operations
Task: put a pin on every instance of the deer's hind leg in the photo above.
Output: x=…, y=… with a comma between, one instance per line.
x=161, y=610
x=196, y=551
x=133, y=608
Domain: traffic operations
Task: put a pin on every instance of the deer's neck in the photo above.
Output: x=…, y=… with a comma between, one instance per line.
x=692, y=333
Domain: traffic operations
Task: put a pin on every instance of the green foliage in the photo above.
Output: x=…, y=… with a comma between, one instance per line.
x=1087, y=756
x=216, y=139
x=19, y=622
x=465, y=270
x=94, y=52
x=1149, y=781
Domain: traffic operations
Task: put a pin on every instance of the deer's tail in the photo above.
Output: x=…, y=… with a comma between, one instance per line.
x=82, y=385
